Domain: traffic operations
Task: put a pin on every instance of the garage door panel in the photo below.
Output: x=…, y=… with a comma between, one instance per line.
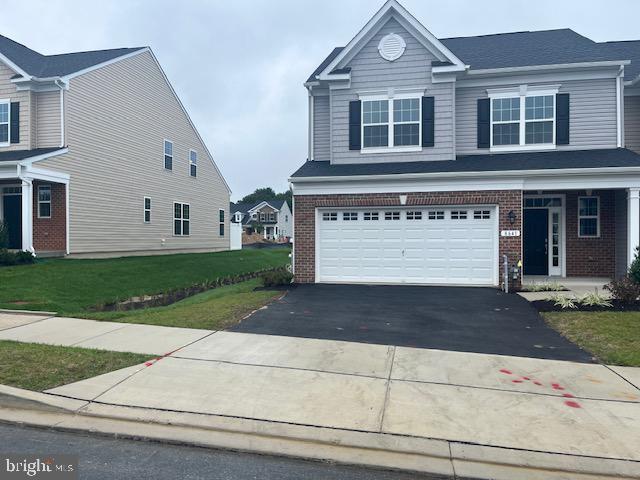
x=446, y=250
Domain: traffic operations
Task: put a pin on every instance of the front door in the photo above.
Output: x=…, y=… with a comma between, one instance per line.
x=536, y=241
x=12, y=210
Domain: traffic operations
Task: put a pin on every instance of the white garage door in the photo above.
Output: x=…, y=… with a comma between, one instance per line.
x=428, y=245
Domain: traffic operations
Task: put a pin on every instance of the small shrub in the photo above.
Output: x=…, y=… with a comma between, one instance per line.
x=4, y=234
x=8, y=258
x=624, y=289
x=544, y=287
x=634, y=269
x=563, y=301
x=594, y=300
x=276, y=278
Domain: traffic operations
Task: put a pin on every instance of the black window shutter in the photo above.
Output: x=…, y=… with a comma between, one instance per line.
x=428, y=121
x=355, y=142
x=562, y=119
x=484, y=123
x=15, y=122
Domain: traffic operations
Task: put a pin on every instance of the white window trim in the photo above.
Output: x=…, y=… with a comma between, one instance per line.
x=164, y=165
x=7, y=101
x=390, y=98
x=220, y=223
x=597, y=217
x=40, y=187
x=145, y=210
x=192, y=163
x=173, y=224
x=522, y=92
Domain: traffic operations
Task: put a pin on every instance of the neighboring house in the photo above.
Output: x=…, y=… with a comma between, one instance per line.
x=432, y=160
x=99, y=156
x=272, y=219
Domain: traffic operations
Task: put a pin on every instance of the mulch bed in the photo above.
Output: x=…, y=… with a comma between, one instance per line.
x=617, y=306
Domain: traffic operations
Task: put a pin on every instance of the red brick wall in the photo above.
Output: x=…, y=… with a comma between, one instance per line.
x=305, y=205
x=50, y=234
x=591, y=257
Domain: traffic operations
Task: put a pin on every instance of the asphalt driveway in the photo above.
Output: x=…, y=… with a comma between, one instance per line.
x=482, y=320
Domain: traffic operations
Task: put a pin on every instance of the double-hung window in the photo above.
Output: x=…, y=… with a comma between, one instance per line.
x=391, y=124
x=193, y=163
x=523, y=118
x=181, y=219
x=221, y=222
x=5, y=109
x=44, y=201
x=168, y=155
x=588, y=217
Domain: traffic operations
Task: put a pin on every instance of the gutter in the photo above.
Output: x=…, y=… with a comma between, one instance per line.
x=558, y=66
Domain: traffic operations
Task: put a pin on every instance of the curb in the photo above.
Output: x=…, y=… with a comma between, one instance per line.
x=379, y=450
x=27, y=312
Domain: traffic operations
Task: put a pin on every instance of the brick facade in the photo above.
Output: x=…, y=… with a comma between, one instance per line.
x=305, y=207
x=50, y=234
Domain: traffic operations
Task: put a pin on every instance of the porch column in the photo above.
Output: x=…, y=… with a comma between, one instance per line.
x=633, y=222
x=27, y=215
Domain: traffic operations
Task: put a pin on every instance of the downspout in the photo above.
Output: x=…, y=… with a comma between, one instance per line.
x=62, y=87
x=620, y=104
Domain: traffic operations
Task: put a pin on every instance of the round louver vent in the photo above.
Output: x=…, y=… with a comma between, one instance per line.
x=391, y=47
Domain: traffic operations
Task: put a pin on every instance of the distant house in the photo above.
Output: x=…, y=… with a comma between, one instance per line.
x=272, y=219
x=99, y=156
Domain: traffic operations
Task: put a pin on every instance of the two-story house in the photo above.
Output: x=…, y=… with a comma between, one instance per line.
x=432, y=160
x=99, y=156
x=272, y=219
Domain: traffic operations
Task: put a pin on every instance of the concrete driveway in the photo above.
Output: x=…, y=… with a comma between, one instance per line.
x=482, y=320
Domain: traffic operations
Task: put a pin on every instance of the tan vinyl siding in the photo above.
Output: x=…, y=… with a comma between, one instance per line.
x=116, y=119
x=592, y=115
x=8, y=91
x=321, y=128
x=47, y=119
x=369, y=71
x=632, y=122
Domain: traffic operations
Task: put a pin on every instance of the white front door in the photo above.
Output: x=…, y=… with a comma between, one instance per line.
x=416, y=245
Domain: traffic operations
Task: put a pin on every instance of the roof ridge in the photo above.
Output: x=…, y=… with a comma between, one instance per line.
x=92, y=51
x=514, y=33
x=21, y=45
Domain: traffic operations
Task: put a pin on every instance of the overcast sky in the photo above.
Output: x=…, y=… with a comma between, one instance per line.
x=239, y=65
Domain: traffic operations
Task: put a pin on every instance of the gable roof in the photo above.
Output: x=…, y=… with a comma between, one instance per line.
x=34, y=64
x=246, y=207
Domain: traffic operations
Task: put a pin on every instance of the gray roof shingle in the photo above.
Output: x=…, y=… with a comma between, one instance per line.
x=43, y=66
x=617, y=157
x=15, y=155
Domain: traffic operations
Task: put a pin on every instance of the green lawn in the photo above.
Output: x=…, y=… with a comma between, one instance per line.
x=70, y=287
x=212, y=310
x=613, y=337
x=39, y=367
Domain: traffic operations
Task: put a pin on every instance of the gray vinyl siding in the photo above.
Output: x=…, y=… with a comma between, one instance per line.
x=8, y=91
x=321, y=128
x=632, y=122
x=593, y=121
x=47, y=119
x=116, y=119
x=369, y=71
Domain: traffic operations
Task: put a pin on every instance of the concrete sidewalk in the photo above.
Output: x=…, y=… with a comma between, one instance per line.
x=530, y=413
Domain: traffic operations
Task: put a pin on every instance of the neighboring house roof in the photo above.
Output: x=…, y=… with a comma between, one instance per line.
x=523, y=49
x=17, y=155
x=618, y=157
x=43, y=66
x=245, y=208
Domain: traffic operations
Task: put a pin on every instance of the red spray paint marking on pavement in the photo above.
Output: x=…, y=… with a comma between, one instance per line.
x=516, y=381
x=568, y=395
x=148, y=364
x=572, y=404
x=537, y=383
x=505, y=371
x=556, y=386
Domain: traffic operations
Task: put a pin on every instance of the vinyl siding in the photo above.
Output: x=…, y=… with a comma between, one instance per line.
x=284, y=221
x=47, y=119
x=321, y=128
x=632, y=122
x=116, y=119
x=8, y=91
x=592, y=115
x=369, y=71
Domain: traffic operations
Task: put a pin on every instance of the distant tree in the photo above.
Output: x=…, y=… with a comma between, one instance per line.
x=266, y=194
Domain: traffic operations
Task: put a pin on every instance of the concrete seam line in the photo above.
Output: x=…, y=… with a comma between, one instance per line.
x=453, y=467
x=25, y=324
x=622, y=377
x=386, y=393
x=96, y=336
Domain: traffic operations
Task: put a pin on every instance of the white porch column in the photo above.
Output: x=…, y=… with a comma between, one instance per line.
x=633, y=222
x=27, y=215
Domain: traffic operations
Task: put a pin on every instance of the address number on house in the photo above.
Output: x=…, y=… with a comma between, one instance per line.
x=510, y=233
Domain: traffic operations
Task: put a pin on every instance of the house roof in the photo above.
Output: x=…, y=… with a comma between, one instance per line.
x=17, y=155
x=617, y=157
x=43, y=66
x=531, y=48
x=245, y=207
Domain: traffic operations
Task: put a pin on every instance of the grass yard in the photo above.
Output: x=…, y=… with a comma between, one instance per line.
x=39, y=367
x=71, y=286
x=212, y=310
x=613, y=337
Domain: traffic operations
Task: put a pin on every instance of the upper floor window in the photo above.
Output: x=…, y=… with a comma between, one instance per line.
x=168, y=155
x=147, y=210
x=391, y=123
x=523, y=118
x=44, y=201
x=4, y=122
x=193, y=163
